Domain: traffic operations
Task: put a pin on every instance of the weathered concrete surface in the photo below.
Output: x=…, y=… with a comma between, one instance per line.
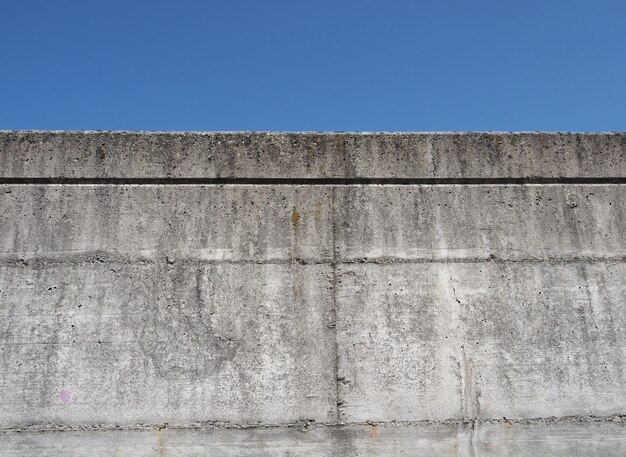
x=398, y=344
x=480, y=221
x=182, y=222
x=433, y=341
x=550, y=438
x=364, y=440
x=173, y=312
x=113, y=343
x=493, y=439
x=310, y=155
x=242, y=222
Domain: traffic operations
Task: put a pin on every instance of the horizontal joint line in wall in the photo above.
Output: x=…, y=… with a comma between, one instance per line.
x=617, y=418
x=309, y=181
x=105, y=258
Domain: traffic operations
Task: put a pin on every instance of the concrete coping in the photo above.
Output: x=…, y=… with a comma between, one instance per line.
x=310, y=157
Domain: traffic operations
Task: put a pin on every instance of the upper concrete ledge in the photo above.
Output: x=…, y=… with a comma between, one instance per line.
x=136, y=155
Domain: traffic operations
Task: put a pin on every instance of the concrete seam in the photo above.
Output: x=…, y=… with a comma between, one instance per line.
x=467, y=392
x=338, y=401
x=617, y=418
x=323, y=181
x=26, y=259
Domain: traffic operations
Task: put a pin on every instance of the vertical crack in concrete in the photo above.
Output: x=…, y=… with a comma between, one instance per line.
x=454, y=293
x=473, y=444
x=161, y=444
x=467, y=435
x=338, y=401
x=467, y=382
x=202, y=302
x=451, y=285
x=468, y=390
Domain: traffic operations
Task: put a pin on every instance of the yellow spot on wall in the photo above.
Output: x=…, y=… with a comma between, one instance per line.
x=295, y=217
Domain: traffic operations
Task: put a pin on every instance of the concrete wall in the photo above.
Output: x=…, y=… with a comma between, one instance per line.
x=312, y=294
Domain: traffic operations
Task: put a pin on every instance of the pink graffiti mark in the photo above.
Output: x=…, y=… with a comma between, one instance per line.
x=65, y=396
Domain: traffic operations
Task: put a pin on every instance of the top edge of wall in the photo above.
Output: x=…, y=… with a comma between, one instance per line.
x=311, y=155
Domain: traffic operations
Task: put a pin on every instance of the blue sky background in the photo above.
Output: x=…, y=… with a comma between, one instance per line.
x=313, y=65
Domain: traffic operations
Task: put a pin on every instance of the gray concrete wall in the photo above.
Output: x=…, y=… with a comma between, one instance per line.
x=312, y=294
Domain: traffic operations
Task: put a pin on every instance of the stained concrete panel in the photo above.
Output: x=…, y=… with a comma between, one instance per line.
x=365, y=440
x=198, y=222
x=297, y=222
x=510, y=222
x=306, y=155
x=551, y=439
x=544, y=339
x=435, y=341
x=503, y=439
x=109, y=343
x=398, y=344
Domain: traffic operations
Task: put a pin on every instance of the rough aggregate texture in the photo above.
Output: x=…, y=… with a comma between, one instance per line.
x=310, y=154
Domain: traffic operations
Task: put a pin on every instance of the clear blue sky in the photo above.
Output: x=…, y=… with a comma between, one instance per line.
x=313, y=65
